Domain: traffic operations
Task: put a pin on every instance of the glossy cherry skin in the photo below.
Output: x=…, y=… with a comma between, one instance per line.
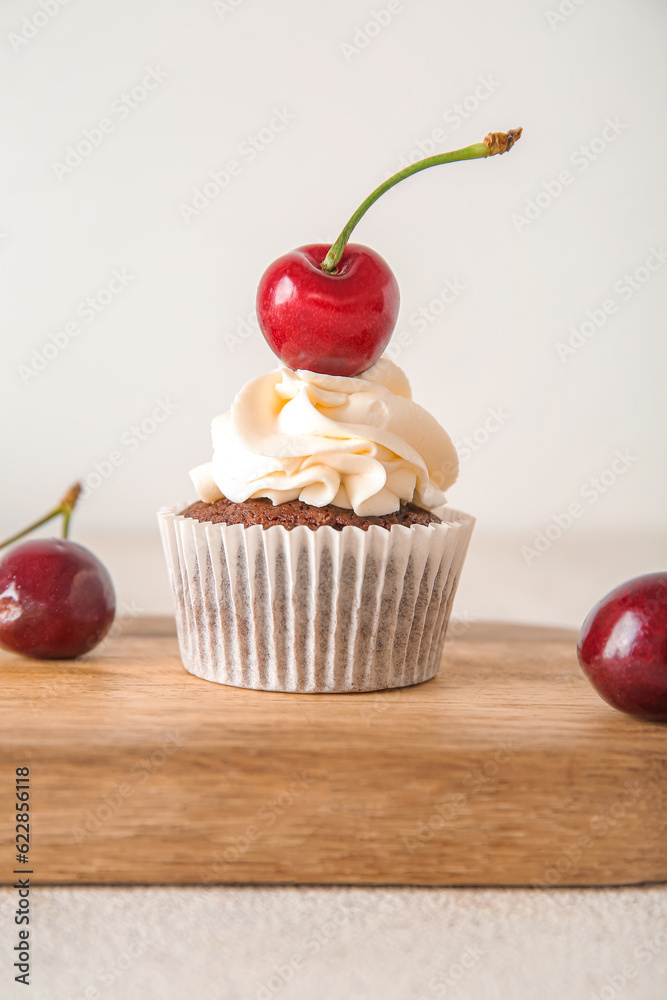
x=57, y=599
x=338, y=324
x=622, y=647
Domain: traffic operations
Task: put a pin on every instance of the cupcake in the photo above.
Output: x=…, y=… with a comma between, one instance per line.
x=320, y=555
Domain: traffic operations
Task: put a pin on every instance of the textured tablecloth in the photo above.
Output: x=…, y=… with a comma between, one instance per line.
x=303, y=943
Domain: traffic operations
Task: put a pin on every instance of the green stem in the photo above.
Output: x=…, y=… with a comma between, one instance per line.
x=65, y=507
x=495, y=142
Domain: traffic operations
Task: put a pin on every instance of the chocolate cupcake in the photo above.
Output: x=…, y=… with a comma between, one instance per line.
x=347, y=583
x=320, y=556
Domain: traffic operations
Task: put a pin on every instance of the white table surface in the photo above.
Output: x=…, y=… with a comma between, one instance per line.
x=304, y=943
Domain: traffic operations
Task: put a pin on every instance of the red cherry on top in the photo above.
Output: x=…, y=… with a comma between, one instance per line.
x=332, y=309
x=336, y=323
x=57, y=599
x=623, y=647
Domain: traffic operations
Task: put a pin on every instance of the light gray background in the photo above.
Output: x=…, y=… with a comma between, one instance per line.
x=219, y=71
x=360, y=102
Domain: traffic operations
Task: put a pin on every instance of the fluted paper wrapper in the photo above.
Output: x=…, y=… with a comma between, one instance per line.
x=313, y=610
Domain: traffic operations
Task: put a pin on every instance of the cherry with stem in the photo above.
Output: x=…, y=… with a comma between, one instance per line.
x=332, y=308
x=57, y=599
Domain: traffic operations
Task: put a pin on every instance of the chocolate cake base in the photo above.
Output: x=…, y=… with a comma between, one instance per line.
x=294, y=512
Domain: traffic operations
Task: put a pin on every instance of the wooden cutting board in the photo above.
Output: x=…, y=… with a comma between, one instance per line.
x=506, y=769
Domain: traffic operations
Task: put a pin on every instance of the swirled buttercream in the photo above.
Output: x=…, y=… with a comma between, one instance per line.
x=360, y=443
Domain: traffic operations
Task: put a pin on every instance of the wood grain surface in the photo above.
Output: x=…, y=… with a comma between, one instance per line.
x=506, y=769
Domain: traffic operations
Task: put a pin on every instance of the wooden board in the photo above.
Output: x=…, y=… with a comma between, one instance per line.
x=507, y=769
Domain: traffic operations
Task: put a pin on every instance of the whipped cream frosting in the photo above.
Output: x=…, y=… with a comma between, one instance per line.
x=360, y=443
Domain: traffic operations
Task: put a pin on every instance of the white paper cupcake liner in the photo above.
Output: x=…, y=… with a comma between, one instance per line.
x=313, y=611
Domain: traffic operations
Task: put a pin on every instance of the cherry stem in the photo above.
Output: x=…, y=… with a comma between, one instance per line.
x=65, y=507
x=495, y=142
